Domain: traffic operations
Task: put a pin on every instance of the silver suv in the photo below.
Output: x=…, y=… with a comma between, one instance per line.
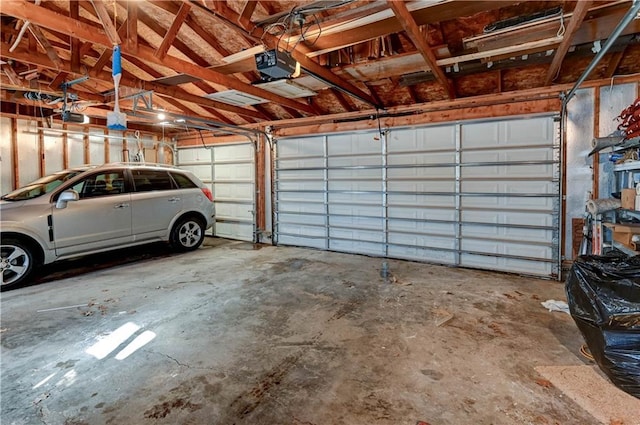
x=92, y=209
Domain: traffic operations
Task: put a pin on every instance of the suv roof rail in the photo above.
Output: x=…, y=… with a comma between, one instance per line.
x=149, y=164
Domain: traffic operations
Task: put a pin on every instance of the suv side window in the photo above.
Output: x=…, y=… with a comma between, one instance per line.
x=100, y=184
x=148, y=180
x=183, y=181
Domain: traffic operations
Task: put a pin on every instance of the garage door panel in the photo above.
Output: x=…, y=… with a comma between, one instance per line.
x=502, y=234
x=474, y=194
x=420, y=253
x=400, y=227
x=410, y=213
x=497, y=203
x=236, y=191
x=356, y=247
x=347, y=144
x=426, y=138
x=422, y=158
x=508, y=187
x=229, y=171
x=421, y=187
x=301, y=207
x=444, y=200
x=309, y=146
x=508, y=217
x=233, y=172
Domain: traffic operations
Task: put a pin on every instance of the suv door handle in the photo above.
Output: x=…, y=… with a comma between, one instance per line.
x=174, y=199
x=125, y=205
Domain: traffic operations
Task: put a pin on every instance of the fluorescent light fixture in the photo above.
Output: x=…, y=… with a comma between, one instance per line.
x=161, y=116
x=286, y=88
x=236, y=98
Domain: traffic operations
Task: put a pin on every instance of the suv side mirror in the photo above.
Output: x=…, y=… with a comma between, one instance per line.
x=66, y=196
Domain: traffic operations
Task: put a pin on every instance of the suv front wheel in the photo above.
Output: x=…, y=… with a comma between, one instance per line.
x=187, y=234
x=16, y=263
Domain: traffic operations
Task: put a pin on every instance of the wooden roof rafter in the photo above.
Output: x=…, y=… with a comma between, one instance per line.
x=419, y=40
x=299, y=54
x=172, y=32
x=49, y=19
x=579, y=13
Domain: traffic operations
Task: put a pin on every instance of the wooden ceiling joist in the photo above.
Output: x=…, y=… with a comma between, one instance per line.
x=172, y=32
x=247, y=10
x=82, y=31
x=582, y=7
x=105, y=19
x=420, y=41
x=132, y=26
x=45, y=44
x=41, y=60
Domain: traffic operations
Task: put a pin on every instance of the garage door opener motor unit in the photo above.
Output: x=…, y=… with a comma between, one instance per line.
x=275, y=64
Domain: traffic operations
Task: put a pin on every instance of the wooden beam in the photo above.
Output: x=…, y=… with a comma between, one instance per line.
x=309, y=65
x=132, y=26
x=475, y=112
x=59, y=79
x=172, y=32
x=582, y=7
x=443, y=11
x=105, y=57
x=247, y=10
x=41, y=60
x=419, y=40
x=614, y=62
x=74, y=14
x=13, y=76
x=46, y=45
x=15, y=160
x=105, y=19
x=341, y=99
x=48, y=19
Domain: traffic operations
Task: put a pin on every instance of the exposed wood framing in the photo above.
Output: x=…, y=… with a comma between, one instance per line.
x=299, y=54
x=247, y=10
x=132, y=26
x=12, y=75
x=582, y=7
x=260, y=215
x=107, y=146
x=74, y=14
x=55, y=21
x=614, y=62
x=15, y=177
x=105, y=57
x=420, y=41
x=86, y=147
x=342, y=100
x=41, y=60
x=42, y=159
x=46, y=45
x=595, y=185
x=172, y=32
x=59, y=79
x=105, y=19
x=518, y=108
x=65, y=147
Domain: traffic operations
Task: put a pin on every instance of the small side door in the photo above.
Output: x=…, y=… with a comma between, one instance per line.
x=100, y=219
x=156, y=200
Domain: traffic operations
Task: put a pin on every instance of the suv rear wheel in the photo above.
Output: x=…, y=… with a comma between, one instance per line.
x=187, y=234
x=16, y=263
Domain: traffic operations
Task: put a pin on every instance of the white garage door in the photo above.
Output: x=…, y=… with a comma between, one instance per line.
x=229, y=171
x=477, y=194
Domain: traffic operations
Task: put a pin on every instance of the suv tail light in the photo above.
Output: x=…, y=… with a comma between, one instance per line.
x=207, y=193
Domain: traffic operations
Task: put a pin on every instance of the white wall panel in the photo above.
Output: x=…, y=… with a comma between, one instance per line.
x=53, y=152
x=6, y=158
x=28, y=155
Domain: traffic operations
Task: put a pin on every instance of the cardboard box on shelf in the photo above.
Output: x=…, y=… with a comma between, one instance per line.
x=624, y=232
x=628, y=199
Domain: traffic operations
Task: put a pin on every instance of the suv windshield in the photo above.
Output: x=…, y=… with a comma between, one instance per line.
x=41, y=186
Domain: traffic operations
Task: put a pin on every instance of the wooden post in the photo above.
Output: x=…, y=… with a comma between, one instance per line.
x=85, y=142
x=14, y=153
x=107, y=146
x=65, y=147
x=596, y=156
x=41, y=158
x=125, y=148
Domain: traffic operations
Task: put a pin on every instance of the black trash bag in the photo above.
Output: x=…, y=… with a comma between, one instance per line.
x=603, y=293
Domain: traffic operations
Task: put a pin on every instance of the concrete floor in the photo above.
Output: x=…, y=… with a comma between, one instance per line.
x=243, y=334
